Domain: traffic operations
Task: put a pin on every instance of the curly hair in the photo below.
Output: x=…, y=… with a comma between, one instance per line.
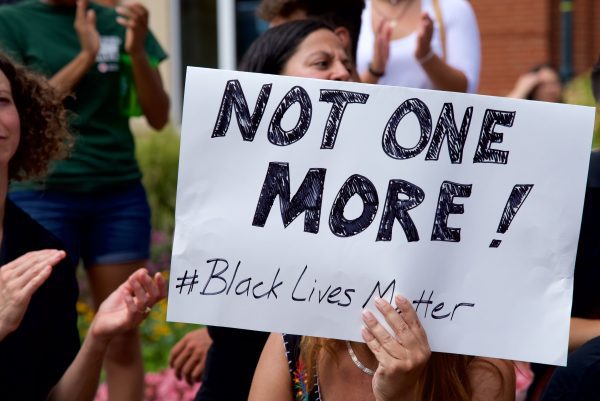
x=271, y=51
x=44, y=127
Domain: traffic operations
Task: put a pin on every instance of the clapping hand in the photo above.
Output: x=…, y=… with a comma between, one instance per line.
x=85, y=26
x=128, y=305
x=424, y=36
x=381, y=46
x=134, y=17
x=19, y=280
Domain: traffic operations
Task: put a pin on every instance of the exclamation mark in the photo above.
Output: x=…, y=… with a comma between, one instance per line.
x=515, y=201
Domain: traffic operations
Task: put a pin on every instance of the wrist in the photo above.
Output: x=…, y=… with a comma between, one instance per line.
x=88, y=57
x=96, y=341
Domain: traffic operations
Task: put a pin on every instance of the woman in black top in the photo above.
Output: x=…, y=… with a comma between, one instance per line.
x=40, y=357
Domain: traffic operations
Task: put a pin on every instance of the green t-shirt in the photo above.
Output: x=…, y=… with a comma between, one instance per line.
x=42, y=37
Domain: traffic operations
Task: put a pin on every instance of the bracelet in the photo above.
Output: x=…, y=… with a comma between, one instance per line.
x=426, y=57
x=376, y=74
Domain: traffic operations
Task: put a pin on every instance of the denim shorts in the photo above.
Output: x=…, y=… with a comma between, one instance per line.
x=106, y=227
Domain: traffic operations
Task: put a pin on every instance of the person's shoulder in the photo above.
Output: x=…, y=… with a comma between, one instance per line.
x=21, y=8
x=456, y=9
x=17, y=11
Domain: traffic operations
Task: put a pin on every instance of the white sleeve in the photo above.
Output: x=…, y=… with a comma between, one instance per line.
x=463, y=49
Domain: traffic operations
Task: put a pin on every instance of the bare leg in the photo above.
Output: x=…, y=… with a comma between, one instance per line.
x=123, y=361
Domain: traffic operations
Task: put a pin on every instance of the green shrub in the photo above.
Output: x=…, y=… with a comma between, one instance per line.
x=158, y=156
x=579, y=91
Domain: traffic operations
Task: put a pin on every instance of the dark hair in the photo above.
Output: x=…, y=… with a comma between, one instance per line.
x=270, y=52
x=270, y=9
x=338, y=13
x=44, y=133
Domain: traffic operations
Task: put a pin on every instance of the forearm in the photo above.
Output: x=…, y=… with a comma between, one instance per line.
x=582, y=331
x=443, y=76
x=151, y=94
x=69, y=76
x=80, y=381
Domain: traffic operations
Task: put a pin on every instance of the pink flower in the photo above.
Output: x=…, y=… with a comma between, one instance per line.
x=160, y=386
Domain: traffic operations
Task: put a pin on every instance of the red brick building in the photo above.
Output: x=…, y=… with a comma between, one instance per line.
x=519, y=34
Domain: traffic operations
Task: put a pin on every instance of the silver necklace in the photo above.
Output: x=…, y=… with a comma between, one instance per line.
x=356, y=361
x=393, y=21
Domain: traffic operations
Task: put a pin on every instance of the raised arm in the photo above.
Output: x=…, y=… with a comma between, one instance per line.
x=151, y=94
x=272, y=380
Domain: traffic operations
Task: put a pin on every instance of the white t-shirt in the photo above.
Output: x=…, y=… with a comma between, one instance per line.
x=462, y=46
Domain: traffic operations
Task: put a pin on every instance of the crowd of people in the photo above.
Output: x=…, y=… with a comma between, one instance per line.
x=71, y=192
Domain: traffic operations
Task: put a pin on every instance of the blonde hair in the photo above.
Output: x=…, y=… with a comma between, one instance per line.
x=445, y=378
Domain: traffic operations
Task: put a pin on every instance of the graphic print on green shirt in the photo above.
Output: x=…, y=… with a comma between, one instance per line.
x=42, y=37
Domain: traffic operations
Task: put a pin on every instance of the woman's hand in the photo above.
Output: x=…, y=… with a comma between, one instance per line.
x=424, y=35
x=402, y=356
x=188, y=356
x=19, y=280
x=134, y=17
x=128, y=305
x=381, y=47
x=85, y=27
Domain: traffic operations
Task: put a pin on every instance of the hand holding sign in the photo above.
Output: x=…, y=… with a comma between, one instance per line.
x=325, y=195
x=402, y=355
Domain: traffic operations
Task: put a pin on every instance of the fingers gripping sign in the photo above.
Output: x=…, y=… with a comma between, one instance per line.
x=19, y=280
x=402, y=355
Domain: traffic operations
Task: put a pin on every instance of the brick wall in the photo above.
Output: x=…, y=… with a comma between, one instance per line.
x=519, y=34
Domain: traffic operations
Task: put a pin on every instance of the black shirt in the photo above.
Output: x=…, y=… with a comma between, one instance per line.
x=586, y=302
x=230, y=364
x=34, y=357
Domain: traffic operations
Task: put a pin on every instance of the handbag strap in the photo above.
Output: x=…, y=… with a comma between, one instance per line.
x=440, y=20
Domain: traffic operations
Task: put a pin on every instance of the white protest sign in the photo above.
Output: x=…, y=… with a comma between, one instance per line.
x=300, y=200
